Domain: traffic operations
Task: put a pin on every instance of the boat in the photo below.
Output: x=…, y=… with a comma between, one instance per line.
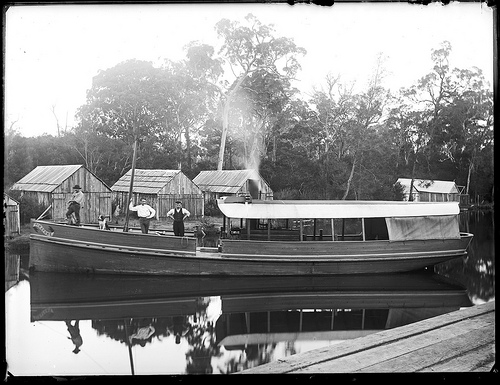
x=252, y=311
x=274, y=238
x=56, y=296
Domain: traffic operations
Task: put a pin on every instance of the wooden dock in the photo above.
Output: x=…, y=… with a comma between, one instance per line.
x=461, y=341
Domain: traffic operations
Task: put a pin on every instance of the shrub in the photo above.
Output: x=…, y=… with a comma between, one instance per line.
x=28, y=206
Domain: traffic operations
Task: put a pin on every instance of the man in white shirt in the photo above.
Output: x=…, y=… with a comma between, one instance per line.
x=145, y=212
x=178, y=214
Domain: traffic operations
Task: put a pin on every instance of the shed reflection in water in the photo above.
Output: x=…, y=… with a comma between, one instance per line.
x=230, y=324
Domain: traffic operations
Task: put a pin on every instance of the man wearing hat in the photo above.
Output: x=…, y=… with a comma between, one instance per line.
x=74, y=205
x=178, y=214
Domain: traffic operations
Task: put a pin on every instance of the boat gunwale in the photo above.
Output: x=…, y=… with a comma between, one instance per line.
x=105, y=246
x=325, y=258
x=462, y=236
x=94, y=227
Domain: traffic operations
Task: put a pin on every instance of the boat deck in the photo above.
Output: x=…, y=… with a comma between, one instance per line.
x=461, y=341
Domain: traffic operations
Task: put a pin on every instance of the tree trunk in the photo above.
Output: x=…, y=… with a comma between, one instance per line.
x=471, y=166
x=349, y=181
x=225, y=119
x=410, y=197
x=188, y=148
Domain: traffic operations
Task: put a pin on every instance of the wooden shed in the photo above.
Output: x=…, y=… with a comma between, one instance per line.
x=426, y=190
x=52, y=186
x=161, y=188
x=216, y=184
x=11, y=216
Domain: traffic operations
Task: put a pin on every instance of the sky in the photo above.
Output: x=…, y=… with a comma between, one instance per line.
x=52, y=52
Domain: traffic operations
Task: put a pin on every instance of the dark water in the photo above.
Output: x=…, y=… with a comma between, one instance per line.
x=61, y=325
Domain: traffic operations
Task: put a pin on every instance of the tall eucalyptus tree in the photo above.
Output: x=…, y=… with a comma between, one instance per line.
x=250, y=48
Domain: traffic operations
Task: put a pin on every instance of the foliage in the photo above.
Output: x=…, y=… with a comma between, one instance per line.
x=28, y=206
x=211, y=210
x=336, y=144
x=249, y=49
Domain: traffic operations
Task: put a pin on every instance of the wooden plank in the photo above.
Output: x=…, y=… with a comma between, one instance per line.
x=393, y=357
x=479, y=359
x=300, y=362
x=449, y=347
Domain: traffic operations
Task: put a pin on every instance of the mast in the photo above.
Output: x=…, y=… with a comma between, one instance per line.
x=134, y=158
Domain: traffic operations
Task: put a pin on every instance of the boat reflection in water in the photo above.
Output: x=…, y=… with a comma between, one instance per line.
x=252, y=315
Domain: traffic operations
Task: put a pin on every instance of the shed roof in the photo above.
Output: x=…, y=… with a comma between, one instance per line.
x=46, y=178
x=224, y=181
x=429, y=186
x=145, y=181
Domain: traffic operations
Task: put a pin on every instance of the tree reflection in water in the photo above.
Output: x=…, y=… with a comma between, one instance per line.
x=477, y=270
x=195, y=328
x=202, y=343
x=253, y=355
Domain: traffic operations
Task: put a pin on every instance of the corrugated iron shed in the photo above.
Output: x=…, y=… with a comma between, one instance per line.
x=145, y=181
x=430, y=186
x=224, y=181
x=46, y=178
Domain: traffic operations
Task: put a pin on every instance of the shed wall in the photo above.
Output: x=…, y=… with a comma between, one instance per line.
x=162, y=203
x=86, y=180
x=438, y=197
x=95, y=204
x=264, y=192
x=194, y=203
x=180, y=185
x=12, y=223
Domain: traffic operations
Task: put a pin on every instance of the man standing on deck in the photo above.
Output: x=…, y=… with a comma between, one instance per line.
x=145, y=213
x=74, y=205
x=178, y=214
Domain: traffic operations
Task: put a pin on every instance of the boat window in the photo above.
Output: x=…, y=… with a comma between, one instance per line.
x=376, y=229
x=348, y=229
x=432, y=227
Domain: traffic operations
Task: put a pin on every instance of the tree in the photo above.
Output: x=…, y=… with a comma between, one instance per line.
x=467, y=121
x=446, y=118
x=345, y=120
x=18, y=160
x=249, y=49
x=368, y=112
x=122, y=104
x=189, y=92
x=257, y=108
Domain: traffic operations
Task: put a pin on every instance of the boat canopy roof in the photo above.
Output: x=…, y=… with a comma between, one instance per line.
x=316, y=209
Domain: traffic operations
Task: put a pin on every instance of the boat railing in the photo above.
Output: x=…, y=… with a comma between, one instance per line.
x=263, y=235
x=290, y=235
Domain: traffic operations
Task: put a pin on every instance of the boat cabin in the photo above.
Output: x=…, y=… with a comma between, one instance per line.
x=247, y=219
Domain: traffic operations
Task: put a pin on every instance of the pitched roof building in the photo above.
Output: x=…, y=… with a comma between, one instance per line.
x=52, y=186
x=426, y=190
x=218, y=183
x=161, y=188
